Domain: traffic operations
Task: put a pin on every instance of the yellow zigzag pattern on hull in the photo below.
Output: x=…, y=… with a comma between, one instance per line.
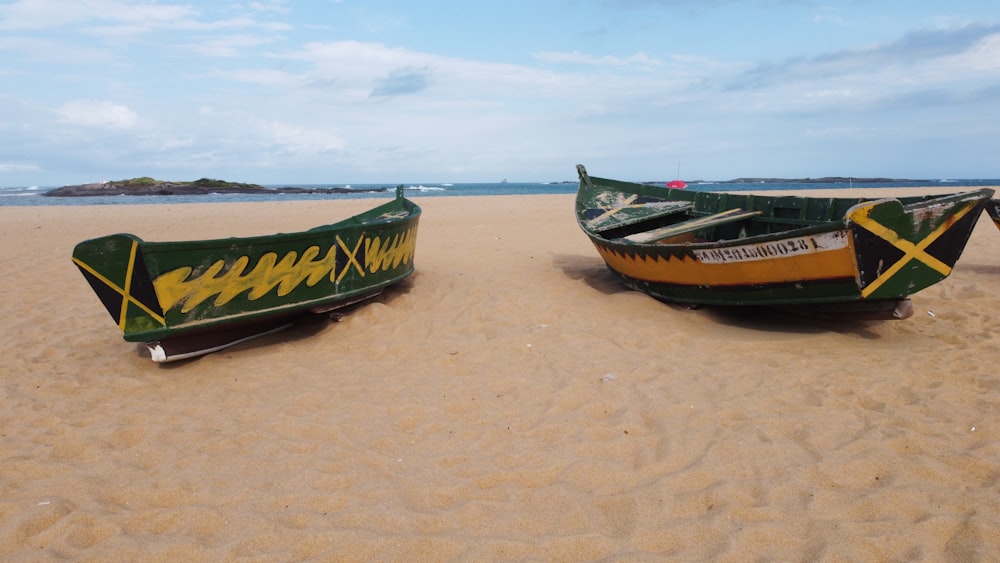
x=174, y=288
x=390, y=255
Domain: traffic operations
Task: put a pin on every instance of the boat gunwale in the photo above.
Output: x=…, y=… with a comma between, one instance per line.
x=590, y=185
x=355, y=221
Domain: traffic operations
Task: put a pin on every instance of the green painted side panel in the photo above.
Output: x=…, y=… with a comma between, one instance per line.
x=828, y=291
x=168, y=288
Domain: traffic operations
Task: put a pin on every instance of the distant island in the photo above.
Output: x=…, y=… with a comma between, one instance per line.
x=149, y=186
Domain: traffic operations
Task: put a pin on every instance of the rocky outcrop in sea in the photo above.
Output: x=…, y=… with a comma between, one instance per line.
x=149, y=186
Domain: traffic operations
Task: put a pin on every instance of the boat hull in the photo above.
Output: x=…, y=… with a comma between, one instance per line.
x=832, y=252
x=161, y=293
x=993, y=209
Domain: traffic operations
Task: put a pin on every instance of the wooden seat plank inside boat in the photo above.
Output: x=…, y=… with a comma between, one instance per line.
x=669, y=231
x=615, y=222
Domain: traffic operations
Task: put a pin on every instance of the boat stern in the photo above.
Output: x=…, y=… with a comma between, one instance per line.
x=903, y=249
x=115, y=269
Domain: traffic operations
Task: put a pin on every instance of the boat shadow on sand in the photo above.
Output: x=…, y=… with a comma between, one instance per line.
x=302, y=327
x=593, y=272
x=769, y=319
x=987, y=269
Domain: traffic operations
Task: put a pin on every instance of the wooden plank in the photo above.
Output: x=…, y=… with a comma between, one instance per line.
x=630, y=214
x=661, y=233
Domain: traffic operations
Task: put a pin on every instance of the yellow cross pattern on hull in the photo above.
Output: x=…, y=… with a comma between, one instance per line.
x=352, y=258
x=125, y=292
x=911, y=251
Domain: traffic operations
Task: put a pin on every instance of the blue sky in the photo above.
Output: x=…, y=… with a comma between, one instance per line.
x=386, y=91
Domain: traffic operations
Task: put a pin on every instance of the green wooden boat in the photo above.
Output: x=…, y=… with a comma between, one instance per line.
x=185, y=299
x=858, y=256
x=993, y=209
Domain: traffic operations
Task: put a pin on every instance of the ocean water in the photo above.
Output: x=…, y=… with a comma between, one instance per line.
x=33, y=195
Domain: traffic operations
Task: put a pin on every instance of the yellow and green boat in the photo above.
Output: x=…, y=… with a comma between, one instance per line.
x=185, y=299
x=858, y=256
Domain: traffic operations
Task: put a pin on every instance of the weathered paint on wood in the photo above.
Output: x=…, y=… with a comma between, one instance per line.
x=742, y=249
x=157, y=291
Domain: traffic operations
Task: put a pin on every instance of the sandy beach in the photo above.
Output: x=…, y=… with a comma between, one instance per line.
x=510, y=401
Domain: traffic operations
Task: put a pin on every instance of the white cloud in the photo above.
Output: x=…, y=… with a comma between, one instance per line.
x=274, y=6
x=97, y=113
x=982, y=57
x=34, y=50
x=228, y=46
x=176, y=144
x=117, y=19
x=261, y=77
x=34, y=14
x=7, y=167
x=300, y=140
x=575, y=57
x=908, y=55
x=359, y=57
x=350, y=71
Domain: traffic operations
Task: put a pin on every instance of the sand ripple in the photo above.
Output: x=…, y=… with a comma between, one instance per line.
x=510, y=402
